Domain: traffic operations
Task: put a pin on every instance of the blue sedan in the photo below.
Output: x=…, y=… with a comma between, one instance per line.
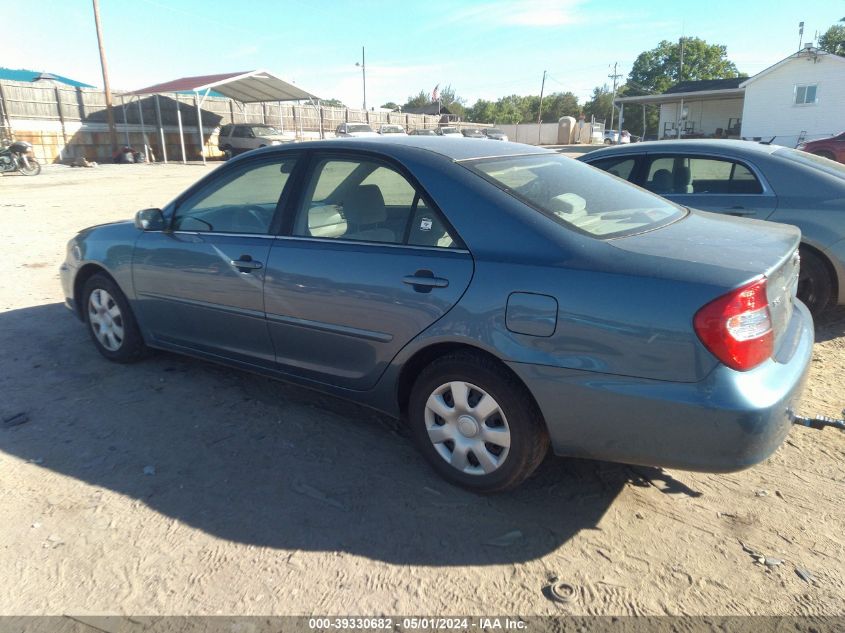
x=500, y=298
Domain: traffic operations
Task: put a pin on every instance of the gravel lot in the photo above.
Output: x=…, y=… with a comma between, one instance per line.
x=175, y=486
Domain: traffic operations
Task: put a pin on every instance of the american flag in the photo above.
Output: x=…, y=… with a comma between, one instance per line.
x=435, y=94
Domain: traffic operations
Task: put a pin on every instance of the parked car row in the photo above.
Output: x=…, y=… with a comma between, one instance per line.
x=347, y=130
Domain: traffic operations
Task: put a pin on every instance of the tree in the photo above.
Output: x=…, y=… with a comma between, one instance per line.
x=833, y=40
x=557, y=105
x=599, y=104
x=332, y=103
x=523, y=109
x=390, y=106
x=417, y=101
x=656, y=70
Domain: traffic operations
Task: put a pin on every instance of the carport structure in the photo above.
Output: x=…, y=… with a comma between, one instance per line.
x=255, y=86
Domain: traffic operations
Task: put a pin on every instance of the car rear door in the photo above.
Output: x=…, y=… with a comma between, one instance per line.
x=199, y=284
x=709, y=182
x=366, y=263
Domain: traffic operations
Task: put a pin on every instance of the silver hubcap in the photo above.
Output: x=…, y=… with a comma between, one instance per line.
x=467, y=428
x=106, y=319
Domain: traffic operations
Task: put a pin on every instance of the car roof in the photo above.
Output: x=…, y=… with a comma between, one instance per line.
x=727, y=146
x=456, y=149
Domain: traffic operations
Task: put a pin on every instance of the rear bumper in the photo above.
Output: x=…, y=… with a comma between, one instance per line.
x=729, y=421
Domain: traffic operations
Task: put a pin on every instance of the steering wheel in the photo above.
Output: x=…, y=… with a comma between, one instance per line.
x=254, y=214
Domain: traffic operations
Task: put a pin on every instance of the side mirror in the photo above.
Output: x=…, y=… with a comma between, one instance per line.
x=150, y=220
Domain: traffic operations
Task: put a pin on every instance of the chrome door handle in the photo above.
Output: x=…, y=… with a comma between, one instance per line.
x=245, y=264
x=424, y=281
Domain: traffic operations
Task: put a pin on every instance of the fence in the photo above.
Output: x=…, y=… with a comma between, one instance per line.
x=64, y=123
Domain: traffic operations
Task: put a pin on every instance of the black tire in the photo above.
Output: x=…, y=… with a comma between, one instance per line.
x=131, y=347
x=529, y=441
x=227, y=152
x=815, y=286
x=34, y=167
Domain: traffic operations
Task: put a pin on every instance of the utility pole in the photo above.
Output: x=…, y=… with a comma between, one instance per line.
x=106, y=87
x=681, y=119
x=363, y=66
x=540, y=110
x=614, y=76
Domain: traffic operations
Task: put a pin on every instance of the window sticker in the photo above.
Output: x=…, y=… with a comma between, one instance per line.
x=425, y=224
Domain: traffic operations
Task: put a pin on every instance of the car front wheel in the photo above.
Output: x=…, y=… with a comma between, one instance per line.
x=110, y=320
x=476, y=424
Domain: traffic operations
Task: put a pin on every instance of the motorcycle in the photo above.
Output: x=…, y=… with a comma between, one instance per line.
x=17, y=157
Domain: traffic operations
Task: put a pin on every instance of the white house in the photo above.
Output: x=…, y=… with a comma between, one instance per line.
x=800, y=98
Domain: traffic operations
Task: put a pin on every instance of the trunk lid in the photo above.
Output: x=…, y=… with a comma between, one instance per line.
x=726, y=252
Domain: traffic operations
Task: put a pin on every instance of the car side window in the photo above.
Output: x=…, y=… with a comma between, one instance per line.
x=621, y=167
x=226, y=130
x=363, y=200
x=428, y=229
x=700, y=175
x=240, y=131
x=244, y=202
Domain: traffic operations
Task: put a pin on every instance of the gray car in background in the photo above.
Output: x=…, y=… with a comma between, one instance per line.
x=751, y=180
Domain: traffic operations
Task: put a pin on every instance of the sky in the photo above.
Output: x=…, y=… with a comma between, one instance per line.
x=484, y=49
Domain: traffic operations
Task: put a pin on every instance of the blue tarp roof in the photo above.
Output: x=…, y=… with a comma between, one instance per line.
x=21, y=74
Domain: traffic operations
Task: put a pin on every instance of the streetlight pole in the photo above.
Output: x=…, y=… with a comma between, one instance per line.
x=363, y=66
x=106, y=88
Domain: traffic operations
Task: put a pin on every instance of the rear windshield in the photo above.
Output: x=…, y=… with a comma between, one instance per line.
x=576, y=195
x=362, y=127
x=805, y=158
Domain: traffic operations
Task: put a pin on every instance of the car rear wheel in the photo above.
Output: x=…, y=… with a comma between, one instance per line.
x=227, y=152
x=110, y=320
x=476, y=424
x=815, y=287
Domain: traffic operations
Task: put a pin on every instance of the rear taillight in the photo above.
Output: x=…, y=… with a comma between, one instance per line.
x=737, y=327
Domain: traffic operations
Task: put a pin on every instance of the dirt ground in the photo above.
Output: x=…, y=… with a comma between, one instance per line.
x=175, y=486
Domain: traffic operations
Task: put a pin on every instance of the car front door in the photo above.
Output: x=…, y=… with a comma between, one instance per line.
x=366, y=263
x=199, y=284
x=711, y=183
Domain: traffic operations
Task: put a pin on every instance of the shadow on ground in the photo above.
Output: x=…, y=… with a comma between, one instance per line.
x=830, y=324
x=259, y=462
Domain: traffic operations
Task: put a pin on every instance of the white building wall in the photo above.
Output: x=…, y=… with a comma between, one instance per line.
x=708, y=116
x=770, y=109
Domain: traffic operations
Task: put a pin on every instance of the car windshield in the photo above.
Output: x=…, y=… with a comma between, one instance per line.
x=449, y=130
x=391, y=129
x=494, y=130
x=425, y=132
x=264, y=130
x=811, y=160
x=361, y=127
x=577, y=196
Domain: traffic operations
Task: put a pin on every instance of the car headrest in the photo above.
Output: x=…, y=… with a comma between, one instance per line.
x=661, y=181
x=682, y=177
x=365, y=206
